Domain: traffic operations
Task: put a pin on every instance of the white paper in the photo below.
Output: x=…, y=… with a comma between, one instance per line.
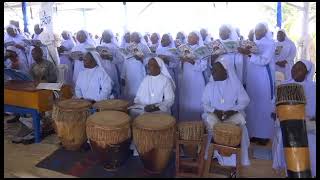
x=50, y=86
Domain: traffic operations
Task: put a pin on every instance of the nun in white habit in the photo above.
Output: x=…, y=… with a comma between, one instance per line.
x=156, y=91
x=155, y=41
x=134, y=70
x=226, y=34
x=84, y=43
x=66, y=46
x=192, y=82
x=302, y=73
x=260, y=85
x=125, y=40
x=13, y=60
x=224, y=99
x=284, y=54
x=93, y=83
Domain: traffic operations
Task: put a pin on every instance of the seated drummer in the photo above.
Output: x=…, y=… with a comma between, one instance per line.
x=302, y=72
x=156, y=91
x=42, y=70
x=224, y=100
x=13, y=61
x=93, y=84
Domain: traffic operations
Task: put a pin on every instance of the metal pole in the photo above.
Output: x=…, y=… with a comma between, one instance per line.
x=279, y=15
x=305, y=24
x=25, y=17
x=125, y=17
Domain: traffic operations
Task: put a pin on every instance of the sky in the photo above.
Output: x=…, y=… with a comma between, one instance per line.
x=160, y=17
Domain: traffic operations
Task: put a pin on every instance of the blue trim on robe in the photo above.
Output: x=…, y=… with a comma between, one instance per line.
x=270, y=80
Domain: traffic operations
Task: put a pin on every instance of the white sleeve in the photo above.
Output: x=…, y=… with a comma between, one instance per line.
x=243, y=99
x=265, y=57
x=123, y=71
x=77, y=87
x=206, y=100
x=168, y=100
x=106, y=86
x=200, y=65
x=292, y=54
x=140, y=93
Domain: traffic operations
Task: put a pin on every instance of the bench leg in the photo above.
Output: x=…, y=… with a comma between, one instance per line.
x=36, y=126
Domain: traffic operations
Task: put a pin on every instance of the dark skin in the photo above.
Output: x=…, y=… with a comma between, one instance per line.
x=13, y=58
x=281, y=37
x=165, y=41
x=224, y=32
x=65, y=36
x=250, y=35
x=219, y=73
x=37, y=29
x=134, y=37
x=13, y=33
x=146, y=38
x=127, y=37
x=180, y=35
x=37, y=54
x=299, y=71
x=154, y=38
x=204, y=34
x=81, y=36
x=192, y=40
x=154, y=70
x=260, y=31
x=106, y=37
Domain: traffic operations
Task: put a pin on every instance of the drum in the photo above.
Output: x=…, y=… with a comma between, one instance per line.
x=153, y=135
x=191, y=130
x=110, y=137
x=290, y=106
x=70, y=122
x=227, y=134
x=112, y=104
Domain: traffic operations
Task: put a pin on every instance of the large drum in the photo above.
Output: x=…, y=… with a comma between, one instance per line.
x=70, y=122
x=191, y=130
x=227, y=134
x=112, y=105
x=290, y=105
x=153, y=135
x=110, y=137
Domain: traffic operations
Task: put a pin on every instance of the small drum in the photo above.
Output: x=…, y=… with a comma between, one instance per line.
x=227, y=134
x=70, y=122
x=192, y=130
x=153, y=135
x=112, y=105
x=110, y=137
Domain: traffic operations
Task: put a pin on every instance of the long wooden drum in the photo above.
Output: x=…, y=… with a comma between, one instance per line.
x=110, y=137
x=112, y=105
x=153, y=135
x=290, y=104
x=70, y=120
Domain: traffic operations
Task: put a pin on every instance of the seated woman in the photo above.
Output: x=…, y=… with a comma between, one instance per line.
x=302, y=73
x=224, y=100
x=156, y=91
x=13, y=61
x=93, y=83
x=42, y=70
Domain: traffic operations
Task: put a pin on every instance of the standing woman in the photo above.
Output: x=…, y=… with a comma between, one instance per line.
x=260, y=86
x=125, y=40
x=82, y=38
x=134, y=70
x=66, y=46
x=192, y=82
x=155, y=41
x=171, y=62
x=180, y=39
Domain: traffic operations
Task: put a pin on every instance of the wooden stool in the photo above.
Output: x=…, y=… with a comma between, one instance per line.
x=221, y=148
x=183, y=164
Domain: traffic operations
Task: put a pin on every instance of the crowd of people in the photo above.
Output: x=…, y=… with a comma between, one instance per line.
x=238, y=87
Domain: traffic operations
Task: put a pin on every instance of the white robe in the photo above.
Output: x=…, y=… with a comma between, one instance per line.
x=237, y=61
x=94, y=84
x=154, y=90
x=260, y=88
x=192, y=84
x=288, y=53
x=78, y=65
x=111, y=70
x=21, y=53
x=64, y=59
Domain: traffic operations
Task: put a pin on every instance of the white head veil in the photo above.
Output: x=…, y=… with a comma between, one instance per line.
x=200, y=42
x=268, y=34
x=89, y=39
x=12, y=48
x=113, y=38
x=158, y=35
x=185, y=37
x=310, y=69
x=142, y=40
x=164, y=50
x=164, y=70
x=233, y=33
x=13, y=27
x=229, y=66
x=96, y=57
x=123, y=41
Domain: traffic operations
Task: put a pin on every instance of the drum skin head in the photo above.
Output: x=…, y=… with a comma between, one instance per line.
x=154, y=121
x=74, y=104
x=111, y=104
x=110, y=119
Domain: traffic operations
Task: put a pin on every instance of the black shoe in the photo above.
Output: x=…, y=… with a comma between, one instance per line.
x=262, y=141
x=28, y=139
x=13, y=120
x=253, y=139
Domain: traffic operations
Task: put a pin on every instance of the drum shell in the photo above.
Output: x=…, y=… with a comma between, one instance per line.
x=227, y=134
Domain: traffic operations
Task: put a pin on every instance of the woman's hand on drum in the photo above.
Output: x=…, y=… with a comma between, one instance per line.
x=151, y=108
x=218, y=113
x=229, y=113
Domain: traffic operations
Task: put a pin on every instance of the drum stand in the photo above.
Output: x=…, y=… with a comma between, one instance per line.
x=222, y=150
x=183, y=164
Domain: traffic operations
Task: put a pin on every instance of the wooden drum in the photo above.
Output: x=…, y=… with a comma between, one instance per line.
x=290, y=105
x=110, y=137
x=112, y=105
x=227, y=134
x=70, y=122
x=153, y=135
x=191, y=130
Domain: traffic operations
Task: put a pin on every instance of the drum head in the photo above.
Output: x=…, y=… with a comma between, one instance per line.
x=111, y=104
x=154, y=121
x=112, y=119
x=74, y=104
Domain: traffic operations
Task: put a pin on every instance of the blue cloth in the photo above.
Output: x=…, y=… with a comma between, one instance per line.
x=17, y=75
x=279, y=14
